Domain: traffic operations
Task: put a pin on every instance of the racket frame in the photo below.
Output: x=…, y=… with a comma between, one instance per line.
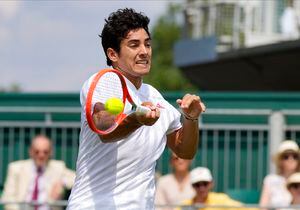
x=88, y=108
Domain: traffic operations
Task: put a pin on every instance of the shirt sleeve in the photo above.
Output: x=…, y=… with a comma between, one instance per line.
x=10, y=193
x=68, y=178
x=175, y=115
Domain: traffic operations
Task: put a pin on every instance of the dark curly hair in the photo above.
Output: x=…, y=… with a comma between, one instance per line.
x=118, y=25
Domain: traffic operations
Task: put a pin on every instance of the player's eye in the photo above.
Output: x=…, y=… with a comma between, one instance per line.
x=148, y=44
x=133, y=45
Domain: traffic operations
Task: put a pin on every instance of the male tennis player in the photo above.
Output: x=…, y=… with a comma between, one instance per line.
x=117, y=171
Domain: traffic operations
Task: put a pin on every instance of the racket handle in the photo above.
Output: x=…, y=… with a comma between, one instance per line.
x=142, y=110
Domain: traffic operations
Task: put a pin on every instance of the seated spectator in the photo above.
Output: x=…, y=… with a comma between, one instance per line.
x=293, y=186
x=37, y=179
x=274, y=191
x=202, y=182
x=174, y=188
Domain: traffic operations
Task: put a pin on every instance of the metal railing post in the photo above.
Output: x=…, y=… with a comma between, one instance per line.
x=276, y=135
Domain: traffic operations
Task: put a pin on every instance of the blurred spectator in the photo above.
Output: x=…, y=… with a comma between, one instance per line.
x=289, y=23
x=274, y=191
x=202, y=182
x=37, y=179
x=293, y=185
x=174, y=188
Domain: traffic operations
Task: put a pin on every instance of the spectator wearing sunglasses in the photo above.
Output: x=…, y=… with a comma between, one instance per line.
x=202, y=182
x=274, y=191
x=38, y=179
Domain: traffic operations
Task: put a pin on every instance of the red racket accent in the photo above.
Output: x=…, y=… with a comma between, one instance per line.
x=89, y=114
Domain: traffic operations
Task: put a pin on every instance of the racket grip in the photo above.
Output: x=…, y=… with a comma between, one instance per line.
x=142, y=110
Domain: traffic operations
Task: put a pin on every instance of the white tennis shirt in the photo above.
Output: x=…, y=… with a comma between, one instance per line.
x=120, y=175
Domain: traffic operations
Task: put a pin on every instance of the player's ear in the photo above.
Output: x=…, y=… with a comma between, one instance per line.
x=112, y=54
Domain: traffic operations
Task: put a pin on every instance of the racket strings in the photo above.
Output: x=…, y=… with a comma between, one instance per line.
x=109, y=86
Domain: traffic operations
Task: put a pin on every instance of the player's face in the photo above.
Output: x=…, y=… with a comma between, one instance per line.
x=134, y=58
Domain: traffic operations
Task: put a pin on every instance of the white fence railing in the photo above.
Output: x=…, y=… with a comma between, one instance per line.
x=230, y=149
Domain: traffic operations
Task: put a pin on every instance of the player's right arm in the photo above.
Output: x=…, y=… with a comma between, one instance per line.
x=128, y=126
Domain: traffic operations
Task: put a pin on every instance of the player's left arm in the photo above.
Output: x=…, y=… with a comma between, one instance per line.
x=184, y=142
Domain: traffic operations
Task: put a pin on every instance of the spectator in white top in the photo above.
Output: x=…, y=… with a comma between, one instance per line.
x=274, y=191
x=174, y=188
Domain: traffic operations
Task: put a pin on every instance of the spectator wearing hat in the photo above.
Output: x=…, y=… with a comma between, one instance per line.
x=202, y=182
x=293, y=186
x=274, y=191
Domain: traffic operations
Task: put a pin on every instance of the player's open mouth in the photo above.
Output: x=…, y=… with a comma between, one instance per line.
x=142, y=62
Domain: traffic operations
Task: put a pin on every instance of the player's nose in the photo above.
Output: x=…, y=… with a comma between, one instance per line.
x=143, y=50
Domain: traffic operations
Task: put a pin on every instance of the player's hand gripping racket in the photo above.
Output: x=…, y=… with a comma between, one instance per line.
x=108, y=84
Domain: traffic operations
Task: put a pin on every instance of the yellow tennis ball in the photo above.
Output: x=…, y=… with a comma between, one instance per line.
x=114, y=106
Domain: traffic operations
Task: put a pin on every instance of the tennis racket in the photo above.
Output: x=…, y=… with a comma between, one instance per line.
x=110, y=83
